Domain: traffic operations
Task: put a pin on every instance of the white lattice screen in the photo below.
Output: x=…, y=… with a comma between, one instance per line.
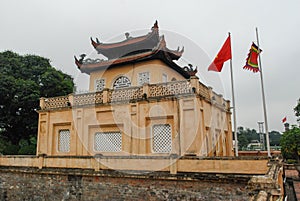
x=108, y=141
x=162, y=138
x=64, y=141
x=99, y=84
x=143, y=78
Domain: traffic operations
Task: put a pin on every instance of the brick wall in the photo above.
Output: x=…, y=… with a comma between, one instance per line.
x=66, y=184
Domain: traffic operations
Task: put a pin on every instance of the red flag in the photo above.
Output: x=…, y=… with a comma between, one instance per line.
x=251, y=61
x=223, y=55
x=284, y=120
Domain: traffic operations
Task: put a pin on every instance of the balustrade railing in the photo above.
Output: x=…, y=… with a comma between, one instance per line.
x=170, y=88
x=204, y=91
x=126, y=94
x=133, y=93
x=88, y=99
x=56, y=102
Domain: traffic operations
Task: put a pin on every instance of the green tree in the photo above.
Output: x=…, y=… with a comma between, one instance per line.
x=275, y=137
x=245, y=136
x=297, y=110
x=23, y=80
x=290, y=143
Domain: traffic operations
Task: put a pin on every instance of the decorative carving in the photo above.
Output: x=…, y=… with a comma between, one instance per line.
x=99, y=84
x=143, y=77
x=88, y=99
x=82, y=56
x=203, y=91
x=122, y=82
x=189, y=69
x=56, y=102
x=127, y=35
x=170, y=88
x=91, y=61
x=132, y=93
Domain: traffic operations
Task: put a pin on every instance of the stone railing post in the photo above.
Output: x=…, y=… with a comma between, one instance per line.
x=42, y=103
x=173, y=163
x=194, y=81
x=71, y=99
x=105, y=95
x=228, y=105
x=41, y=161
x=211, y=93
x=146, y=91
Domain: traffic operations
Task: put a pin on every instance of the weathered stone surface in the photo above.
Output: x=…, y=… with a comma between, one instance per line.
x=71, y=185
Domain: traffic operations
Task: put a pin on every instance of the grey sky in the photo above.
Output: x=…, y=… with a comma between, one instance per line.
x=61, y=29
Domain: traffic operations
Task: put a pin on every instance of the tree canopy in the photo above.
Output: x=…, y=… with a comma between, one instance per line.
x=297, y=110
x=247, y=135
x=290, y=143
x=23, y=80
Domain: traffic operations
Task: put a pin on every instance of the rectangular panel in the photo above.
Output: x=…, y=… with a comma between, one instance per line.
x=108, y=141
x=162, y=138
x=64, y=141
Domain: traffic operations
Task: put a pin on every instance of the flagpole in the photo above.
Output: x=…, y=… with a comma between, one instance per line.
x=233, y=104
x=263, y=97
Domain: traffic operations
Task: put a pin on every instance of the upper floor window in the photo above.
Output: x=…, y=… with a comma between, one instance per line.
x=64, y=140
x=121, y=82
x=143, y=78
x=99, y=84
x=164, y=77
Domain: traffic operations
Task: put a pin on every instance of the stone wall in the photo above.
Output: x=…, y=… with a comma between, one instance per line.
x=71, y=184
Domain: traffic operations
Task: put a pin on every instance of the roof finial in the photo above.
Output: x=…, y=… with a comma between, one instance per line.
x=127, y=35
x=155, y=26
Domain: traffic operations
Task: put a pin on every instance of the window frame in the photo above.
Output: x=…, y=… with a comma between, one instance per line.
x=118, y=77
x=138, y=80
x=170, y=135
x=164, y=76
x=59, y=141
x=95, y=84
x=119, y=149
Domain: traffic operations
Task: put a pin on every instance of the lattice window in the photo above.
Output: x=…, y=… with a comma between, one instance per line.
x=162, y=138
x=164, y=77
x=99, y=84
x=64, y=137
x=143, y=78
x=121, y=82
x=108, y=141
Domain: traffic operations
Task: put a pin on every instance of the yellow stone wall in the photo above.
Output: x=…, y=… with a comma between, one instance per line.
x=199, y=119
x=156, y=69
x=192, y=127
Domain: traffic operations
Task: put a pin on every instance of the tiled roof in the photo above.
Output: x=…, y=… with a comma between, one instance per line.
x=160, y=52
x=130, y=44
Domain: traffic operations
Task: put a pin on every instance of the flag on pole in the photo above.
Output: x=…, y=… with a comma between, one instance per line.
x=284, y=119
x=252, y=59
x=223, y=55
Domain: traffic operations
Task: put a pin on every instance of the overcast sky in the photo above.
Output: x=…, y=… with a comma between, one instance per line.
x=58, y=30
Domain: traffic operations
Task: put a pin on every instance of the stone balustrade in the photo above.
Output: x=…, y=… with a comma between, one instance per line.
x=170, y=89
x=88, y=99
x=177, y=88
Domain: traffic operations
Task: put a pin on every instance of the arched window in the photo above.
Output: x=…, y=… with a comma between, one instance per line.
x=121, y=82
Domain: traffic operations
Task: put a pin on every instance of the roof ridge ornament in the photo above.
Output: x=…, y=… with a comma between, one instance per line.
x=190, y=70
x=155, y=26
x=127, y=35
